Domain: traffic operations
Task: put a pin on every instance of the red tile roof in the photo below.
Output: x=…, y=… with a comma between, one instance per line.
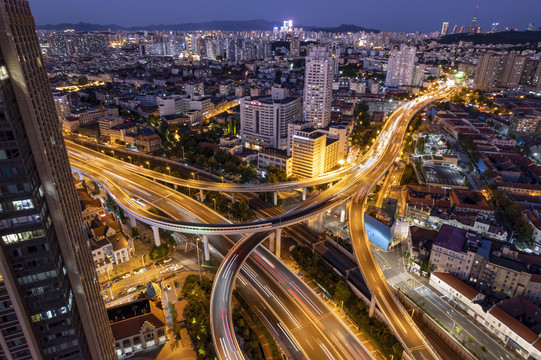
x=131, y=327
x=457, y=284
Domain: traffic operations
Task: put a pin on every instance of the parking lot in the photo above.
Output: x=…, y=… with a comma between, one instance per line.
x=443, y=175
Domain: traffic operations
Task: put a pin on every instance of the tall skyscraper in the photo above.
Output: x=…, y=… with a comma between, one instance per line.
x=444, y=28
x=318, y=79
x=454, y=29
x=335, y=50
x=400, y=66
x=473, y=28
x=50, y=302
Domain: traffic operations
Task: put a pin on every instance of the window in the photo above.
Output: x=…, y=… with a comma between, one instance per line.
x=23, y=204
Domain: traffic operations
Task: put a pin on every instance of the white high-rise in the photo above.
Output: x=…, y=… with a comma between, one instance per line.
x=400, y=66
x=318, y=86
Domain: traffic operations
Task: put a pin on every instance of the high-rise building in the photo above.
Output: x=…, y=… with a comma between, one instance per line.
x=264, y=119
x=50, y=303
x=444, y=28
x=335, y=50
x=473, y=28
x=454, y=29
x=295, y=47
x=486, y=71
x=400, y=66
x=495, y=27
x=511, y=71
x=318, y=79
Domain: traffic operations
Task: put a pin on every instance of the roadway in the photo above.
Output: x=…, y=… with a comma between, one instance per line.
x=381, y=157
x=284, y=297
x=80, y=152
x=368, y=171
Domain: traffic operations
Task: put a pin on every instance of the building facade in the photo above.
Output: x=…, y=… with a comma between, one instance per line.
x=318, y=80
x=48, y=280
x=400, y=66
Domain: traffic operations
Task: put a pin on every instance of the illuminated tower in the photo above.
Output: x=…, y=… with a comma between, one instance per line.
x=50, y=303
x=444, y=28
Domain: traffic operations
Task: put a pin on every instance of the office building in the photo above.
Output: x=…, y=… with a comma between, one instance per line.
x=50, y=303
x=401, y=66
x=264, y=119
x=318, y=80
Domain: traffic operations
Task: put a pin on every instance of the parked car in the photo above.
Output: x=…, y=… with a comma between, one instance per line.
x=126, y=276
x=130, y=290
x=116, y=280
x=176, y=284
x=120, y=294
x=168, y=287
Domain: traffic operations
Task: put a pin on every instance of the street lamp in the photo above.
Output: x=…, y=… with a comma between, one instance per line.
x=148, y=164
x=214, y=203
x=169, y=169
x=129, y=157
x=223, y=177
x=193, y=174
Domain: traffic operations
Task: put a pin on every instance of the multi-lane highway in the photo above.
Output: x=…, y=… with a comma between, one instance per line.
x=296, y=315
x=366, y=174
x=77, y=151
x=379, y=158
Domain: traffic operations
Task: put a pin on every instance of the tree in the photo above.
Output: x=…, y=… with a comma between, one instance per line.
x=240, y=211
x=276, y=174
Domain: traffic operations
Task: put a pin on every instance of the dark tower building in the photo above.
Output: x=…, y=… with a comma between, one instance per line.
x=50, y=304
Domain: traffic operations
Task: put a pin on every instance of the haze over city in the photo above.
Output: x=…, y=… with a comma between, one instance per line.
x=393, y=15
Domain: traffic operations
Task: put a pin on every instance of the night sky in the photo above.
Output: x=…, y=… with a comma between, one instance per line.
x=386, y=15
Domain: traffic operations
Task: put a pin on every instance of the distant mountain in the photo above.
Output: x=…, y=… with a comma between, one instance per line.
x=226, y=25
x=504, y=37
x=344, y=28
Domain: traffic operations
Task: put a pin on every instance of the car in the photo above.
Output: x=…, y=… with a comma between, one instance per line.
x=126, y=276
x=116, y=280
x=167, y=260
x=120, y=294
x=176, y=284
x=168, y=287
x=130, y=290
x=128, y=355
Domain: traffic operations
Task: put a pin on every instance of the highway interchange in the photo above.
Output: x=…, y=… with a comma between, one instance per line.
x=122, y=183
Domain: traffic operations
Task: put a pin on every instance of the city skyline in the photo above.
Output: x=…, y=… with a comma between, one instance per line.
x=402, y=17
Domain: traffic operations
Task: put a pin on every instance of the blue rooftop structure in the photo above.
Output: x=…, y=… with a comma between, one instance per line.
x=484, y=248
x=378, y=232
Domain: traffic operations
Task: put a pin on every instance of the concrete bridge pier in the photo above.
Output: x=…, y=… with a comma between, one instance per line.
x=343, y=212
x=278, y=239
x=201, y=195
x=206, y=248
x=276, y=198
x=372, y=306
x=156, y=232
x=304, y=194
x=234, y=197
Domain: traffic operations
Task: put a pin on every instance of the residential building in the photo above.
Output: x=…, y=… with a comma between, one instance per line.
x=264, y=119
x=313, y=152
x=107, y=122
x=51, y=304
x=451, y=252
x=486, y=71
x=400, y=66
x=318, y=79
x=138, y=324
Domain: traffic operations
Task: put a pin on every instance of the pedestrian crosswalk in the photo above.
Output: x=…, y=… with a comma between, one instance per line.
x=414, y=284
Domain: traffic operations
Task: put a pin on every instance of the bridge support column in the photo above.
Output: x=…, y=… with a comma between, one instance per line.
x=272, y=242
x=343, y=212
x=206, y=248
x=234, y=197
x=372, y=306
x=175, y=186
x=319, y=222
x=156, y=232
x=304, y=194
x=201, y=195
x=278, y=240
x=330, y=185
x=133, y=221
x=276, y=198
